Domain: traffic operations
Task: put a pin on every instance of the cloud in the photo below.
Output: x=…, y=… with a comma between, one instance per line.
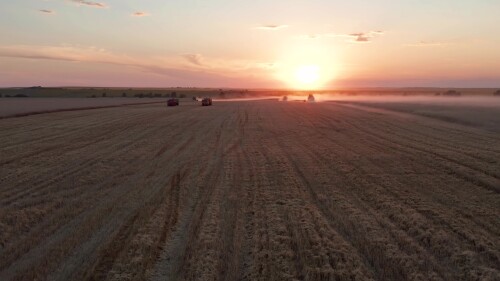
x=95, y=55
x=364, y=37
x=355, y=37
x=272, y=27
x=317, y=35
x=427, y=44
x=189, y=66
x=90, y=3
x=64, y=53
x=195, y=59
x=359, y=37
x=140, y=14
x=43, y=11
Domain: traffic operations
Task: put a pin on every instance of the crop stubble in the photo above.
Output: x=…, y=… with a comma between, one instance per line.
x=247, y=191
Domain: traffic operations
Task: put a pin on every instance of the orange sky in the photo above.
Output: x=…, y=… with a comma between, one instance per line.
x=250, y=44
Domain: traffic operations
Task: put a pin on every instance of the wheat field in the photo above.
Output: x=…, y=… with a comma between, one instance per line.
x=260, y=190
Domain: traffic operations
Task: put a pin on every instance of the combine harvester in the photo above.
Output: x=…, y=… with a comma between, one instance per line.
x=206, y=102
x=311, y=98
x=172, y=102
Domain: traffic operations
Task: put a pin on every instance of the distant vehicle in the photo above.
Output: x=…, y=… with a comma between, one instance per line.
x=206, y=101
x=172, y=102
x=310, y=98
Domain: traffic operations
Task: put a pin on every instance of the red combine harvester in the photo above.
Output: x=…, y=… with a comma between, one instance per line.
x=206, y=102
x=311, y=98
x=173, y=102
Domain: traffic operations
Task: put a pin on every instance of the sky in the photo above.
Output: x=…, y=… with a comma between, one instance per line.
x=293, y=44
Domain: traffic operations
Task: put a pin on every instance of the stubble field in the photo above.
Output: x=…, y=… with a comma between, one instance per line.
x=258, y=190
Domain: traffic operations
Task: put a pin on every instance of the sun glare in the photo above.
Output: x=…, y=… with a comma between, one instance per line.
x=307, y=66
x=307, y=74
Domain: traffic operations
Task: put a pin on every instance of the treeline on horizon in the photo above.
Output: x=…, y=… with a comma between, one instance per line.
x=186, y=92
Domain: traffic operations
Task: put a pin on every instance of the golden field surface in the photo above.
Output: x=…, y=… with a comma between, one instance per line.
x=259, y=190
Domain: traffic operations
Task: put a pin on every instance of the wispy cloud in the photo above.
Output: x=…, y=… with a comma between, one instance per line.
x=364, y=37
x=185, y=66
x=44, y=11
x=427, y=44
x=140, y=14
x=316, y=35
x=272, y=27
x=90, y=3
x=159, y=66
x=359, y=37
x=355, y=37
x=195, y=59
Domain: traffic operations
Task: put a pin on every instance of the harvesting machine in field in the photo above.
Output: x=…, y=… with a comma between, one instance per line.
x=311, y=98
x=172, y=102
x=206, y=102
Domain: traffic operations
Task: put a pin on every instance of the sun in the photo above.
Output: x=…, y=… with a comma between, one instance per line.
x=307, y=75
x=307, y=66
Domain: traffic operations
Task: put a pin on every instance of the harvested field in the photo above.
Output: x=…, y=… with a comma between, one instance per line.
x=13, y=107
x=258, y=190
x=476, y=111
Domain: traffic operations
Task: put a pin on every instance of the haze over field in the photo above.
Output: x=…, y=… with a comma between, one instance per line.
x=250, y=44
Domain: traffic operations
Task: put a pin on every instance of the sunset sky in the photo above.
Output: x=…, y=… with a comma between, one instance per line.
x=250, y=44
